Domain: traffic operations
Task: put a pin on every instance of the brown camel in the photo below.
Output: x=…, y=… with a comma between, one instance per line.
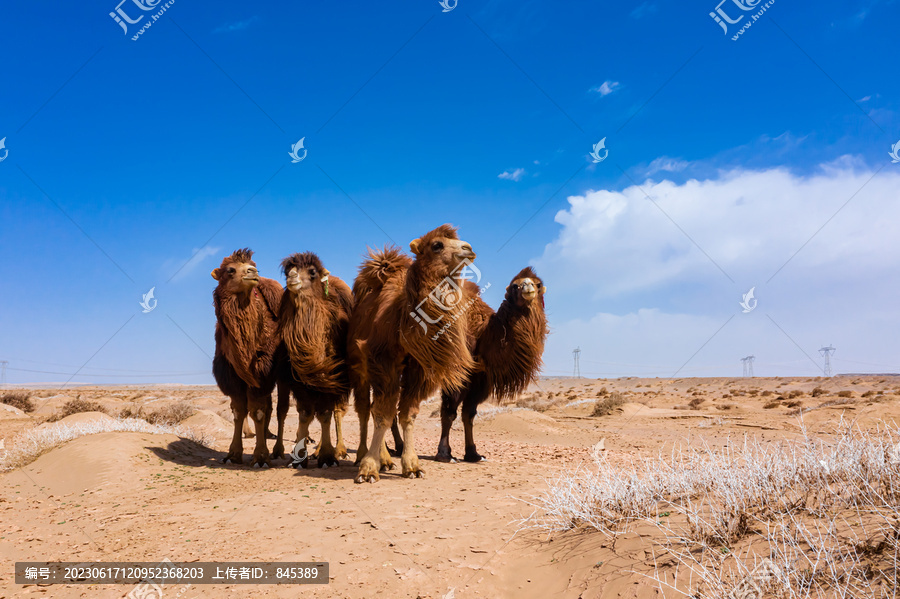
x=406, y=342
x=246, y=308
x=507, y=346
x=312, y=328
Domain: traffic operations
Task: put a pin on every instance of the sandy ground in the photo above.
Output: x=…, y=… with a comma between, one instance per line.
x=453, y=534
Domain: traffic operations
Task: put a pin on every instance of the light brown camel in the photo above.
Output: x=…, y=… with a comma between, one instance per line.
x=407, y=342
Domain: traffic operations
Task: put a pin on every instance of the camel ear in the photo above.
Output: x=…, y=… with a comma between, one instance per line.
x=325, y=273
x=543, y=289
x=414, y=245
x=215, y=274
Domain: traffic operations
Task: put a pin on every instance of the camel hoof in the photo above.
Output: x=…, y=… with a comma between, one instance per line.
x=446, y=459
x=414, y=474
x=362, y=478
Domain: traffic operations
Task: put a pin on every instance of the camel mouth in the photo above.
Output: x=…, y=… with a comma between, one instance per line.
x=251, y=279
x=529, y=295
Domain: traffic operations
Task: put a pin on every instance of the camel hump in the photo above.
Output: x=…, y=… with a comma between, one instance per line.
x=341, y=293
x=378, y=267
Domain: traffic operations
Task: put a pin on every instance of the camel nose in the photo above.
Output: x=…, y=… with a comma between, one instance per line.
x=465, y=251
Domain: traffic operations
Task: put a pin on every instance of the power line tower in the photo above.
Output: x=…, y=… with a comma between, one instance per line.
x=748, y=366
x=827, y=351
x=576, y=353
x=3, y=364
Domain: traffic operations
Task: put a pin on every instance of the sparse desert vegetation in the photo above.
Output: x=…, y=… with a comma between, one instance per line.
x=18, y=398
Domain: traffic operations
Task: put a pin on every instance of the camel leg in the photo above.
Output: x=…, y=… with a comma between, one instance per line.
x=236, y=451
x=248, y=429
x=326, y=455
x=370, y=465
x=468, y=418
x=340, y=450
x=259, y=409
x=363, y=406
x=449, y=407
x=408, y=459
x=284, y=403
x=398, y=440
x=305, y=418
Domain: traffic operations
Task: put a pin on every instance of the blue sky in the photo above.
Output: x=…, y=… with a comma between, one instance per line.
x=126, y=158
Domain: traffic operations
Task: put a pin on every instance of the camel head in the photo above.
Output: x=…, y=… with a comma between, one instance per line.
x=237, y=274
x=442, y=249
x=526, y=288
x=305, y=275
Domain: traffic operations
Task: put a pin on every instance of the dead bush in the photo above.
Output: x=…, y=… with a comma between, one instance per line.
x=771, y=404
x=695, y=403
x=794, y=393
x=818, y=391
x=77, y=406
x=171, y=414
x=607, y=406
x=845, y=394
x=766, y=393
x=18, y=398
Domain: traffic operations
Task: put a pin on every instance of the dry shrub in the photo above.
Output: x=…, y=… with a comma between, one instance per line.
x=869, y=393
x=766, y=393
x=77, y=406
x=753, y=392
x=695, y=403
x=793, y=404
x=603, y=391
x=818, y=391
x=725, y=406
x=18, y=398
x=825, y=512
x=794, y=393
x=771, y=404
x=607, y=406
x=845, y=394
x=171, y=414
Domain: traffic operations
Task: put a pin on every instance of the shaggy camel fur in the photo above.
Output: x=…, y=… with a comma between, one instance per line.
x=246, y=308
x=312, y=328
x=405, y=341
x=507, y=346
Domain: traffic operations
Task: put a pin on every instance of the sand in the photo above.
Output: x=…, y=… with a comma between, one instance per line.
x=146, y=497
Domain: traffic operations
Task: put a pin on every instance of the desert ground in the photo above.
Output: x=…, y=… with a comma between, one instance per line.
x=462, y=531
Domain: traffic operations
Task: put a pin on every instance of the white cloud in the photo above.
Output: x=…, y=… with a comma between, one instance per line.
x=664, y=163
x=198, y=256
x=607, y=87
x=646, y=294
x=515, y=175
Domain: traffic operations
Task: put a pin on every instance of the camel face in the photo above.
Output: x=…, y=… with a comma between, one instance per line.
x=300, y=280
x=237, y=274
x=239, y=277
x=449, y=252
x=525, y=290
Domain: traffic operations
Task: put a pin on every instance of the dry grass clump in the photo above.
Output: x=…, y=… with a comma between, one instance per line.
x=18, y=398
x=171, y=414
x=607, y=406
x=30, y=445
x=845, y=394
x=818, y=391
x=824, y=513
x=537, y=402
x=766, y=393
x=694, y=404
x=76, y=406
x=771, y=404
x=794, y=393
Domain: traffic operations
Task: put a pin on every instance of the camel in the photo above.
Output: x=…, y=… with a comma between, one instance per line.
x=312, y=329
x=507, y=346
x=405, y=343
x=246, y=307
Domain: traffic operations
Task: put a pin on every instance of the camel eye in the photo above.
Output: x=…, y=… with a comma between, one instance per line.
x=437, y=246
x=231, y=270
x=312, y=273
